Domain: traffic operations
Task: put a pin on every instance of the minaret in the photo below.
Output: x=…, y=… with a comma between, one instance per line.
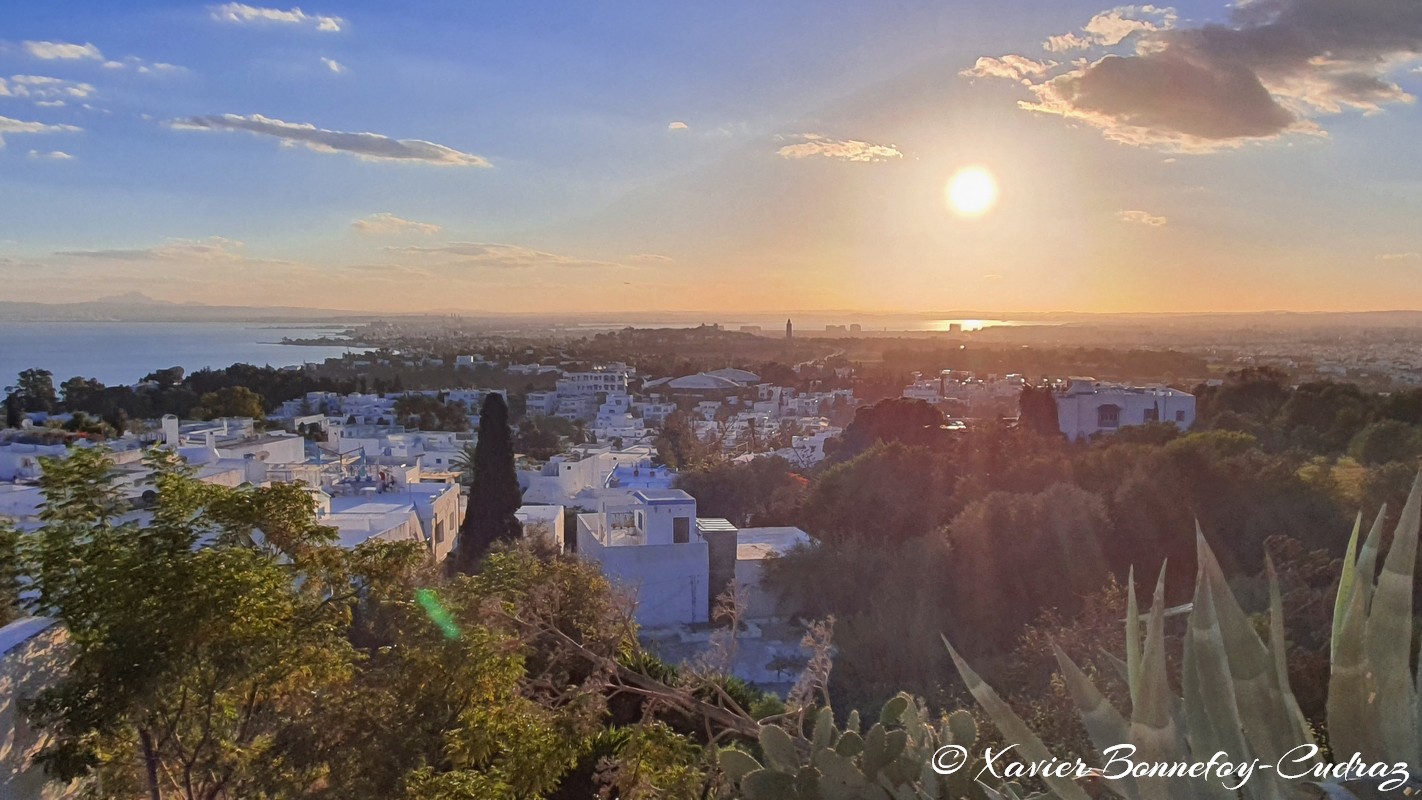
x=789, y=330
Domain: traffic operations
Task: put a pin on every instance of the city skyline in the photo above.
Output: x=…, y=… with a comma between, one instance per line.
x=1038, y=157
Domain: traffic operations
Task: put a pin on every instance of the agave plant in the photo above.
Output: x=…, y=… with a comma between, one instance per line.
x=1235, y=700
x=1235, y=686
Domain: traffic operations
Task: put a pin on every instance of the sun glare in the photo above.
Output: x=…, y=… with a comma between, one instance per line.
x=972, y=192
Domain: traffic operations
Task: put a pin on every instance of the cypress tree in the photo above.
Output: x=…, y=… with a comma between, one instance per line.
x=494, y=495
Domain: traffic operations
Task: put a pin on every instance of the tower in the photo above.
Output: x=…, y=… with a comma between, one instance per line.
x=789, y=330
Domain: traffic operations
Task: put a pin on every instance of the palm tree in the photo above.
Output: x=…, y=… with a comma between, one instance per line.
x=465, y=462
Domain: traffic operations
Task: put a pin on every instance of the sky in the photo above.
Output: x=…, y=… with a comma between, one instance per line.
x=721, y=157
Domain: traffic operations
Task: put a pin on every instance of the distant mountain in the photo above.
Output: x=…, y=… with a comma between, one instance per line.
x=134, y=298
x=139, y=307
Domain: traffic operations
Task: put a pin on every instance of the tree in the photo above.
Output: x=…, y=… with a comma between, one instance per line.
x=494, y=495
x=912, y=422
x=1037, y=411
x=36, y=391
x=1388, y=440
x=9, y=574
x=678, y=446
x=192, y=660
x=14, y=417
x=465, y=462
x=231, y=401
x=83, y=394
x=761, y=492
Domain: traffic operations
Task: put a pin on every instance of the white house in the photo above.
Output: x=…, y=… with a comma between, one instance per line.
x=1088, y=407
x=675, y=564
x=646, y=544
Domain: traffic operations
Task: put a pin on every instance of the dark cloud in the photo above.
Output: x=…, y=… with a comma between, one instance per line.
x=1274, y=67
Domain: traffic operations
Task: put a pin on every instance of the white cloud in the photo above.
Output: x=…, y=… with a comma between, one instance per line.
x=366, y=146
x=678, y=126
x=651, y=258
x=144, y=67
x=1017, y=68
x=63, y=51
x=52, y=155
x=813, y=144
x=1400, y=257
x=242, y=13
x=211, y=249
x=8, y=126
x=41, y=87
x=387, y=224
x=333, y=65
x=488, y=254
x=1112, y=27
x=1141, y=218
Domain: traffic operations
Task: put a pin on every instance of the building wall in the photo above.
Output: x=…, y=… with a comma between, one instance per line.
x=668, y=582
x=33, y=659
x=1078, y=414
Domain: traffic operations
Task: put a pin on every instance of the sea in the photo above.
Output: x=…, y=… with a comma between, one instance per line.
x=119, y=353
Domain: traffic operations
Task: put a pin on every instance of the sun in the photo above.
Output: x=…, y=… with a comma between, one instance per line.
x=971, y=192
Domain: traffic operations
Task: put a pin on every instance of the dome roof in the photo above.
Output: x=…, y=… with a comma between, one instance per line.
x=703, y=381
x=738, y=375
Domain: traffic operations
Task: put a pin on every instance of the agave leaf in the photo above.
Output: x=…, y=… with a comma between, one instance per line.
x=1012, y=727
x=1352, y=692
x=1388, y=637
x=1278, y=647
x=1104, y=724
x=1221, y=703
x=1133, y=638
x=1368, y=558
x=1154, y=731
x=1346, y=583
x=1268, y=727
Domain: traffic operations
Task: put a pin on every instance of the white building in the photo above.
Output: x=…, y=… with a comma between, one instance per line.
x=1088, y=407
x=603, y=379
x=646, y=544
x=675, y=564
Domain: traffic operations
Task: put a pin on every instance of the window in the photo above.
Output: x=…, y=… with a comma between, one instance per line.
x=1108, y=416
x=1151, y=415
x=1180, y=415
x=439, y=531
x=681, y=530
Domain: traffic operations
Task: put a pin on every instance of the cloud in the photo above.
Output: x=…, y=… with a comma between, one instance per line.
x=144, y=67
x=8, y=126
x=333, y=65
x=1141, y=218
x=485, y=254
x=1017, y=68
x=63, y=51
x=1112, y=27
x=813, y=144
x=365, y=146
x=678, y=126
x=41, y=87
x=52, y=155
x=651, y=258
x=241, y=13
x=387, y=224
x=1400, y=257
x=1270, y=72
x=211, y=249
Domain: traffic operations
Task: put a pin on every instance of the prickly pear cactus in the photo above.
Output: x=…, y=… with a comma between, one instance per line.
x=893, y=760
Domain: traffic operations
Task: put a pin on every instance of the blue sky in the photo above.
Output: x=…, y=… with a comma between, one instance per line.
x=741, y=155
